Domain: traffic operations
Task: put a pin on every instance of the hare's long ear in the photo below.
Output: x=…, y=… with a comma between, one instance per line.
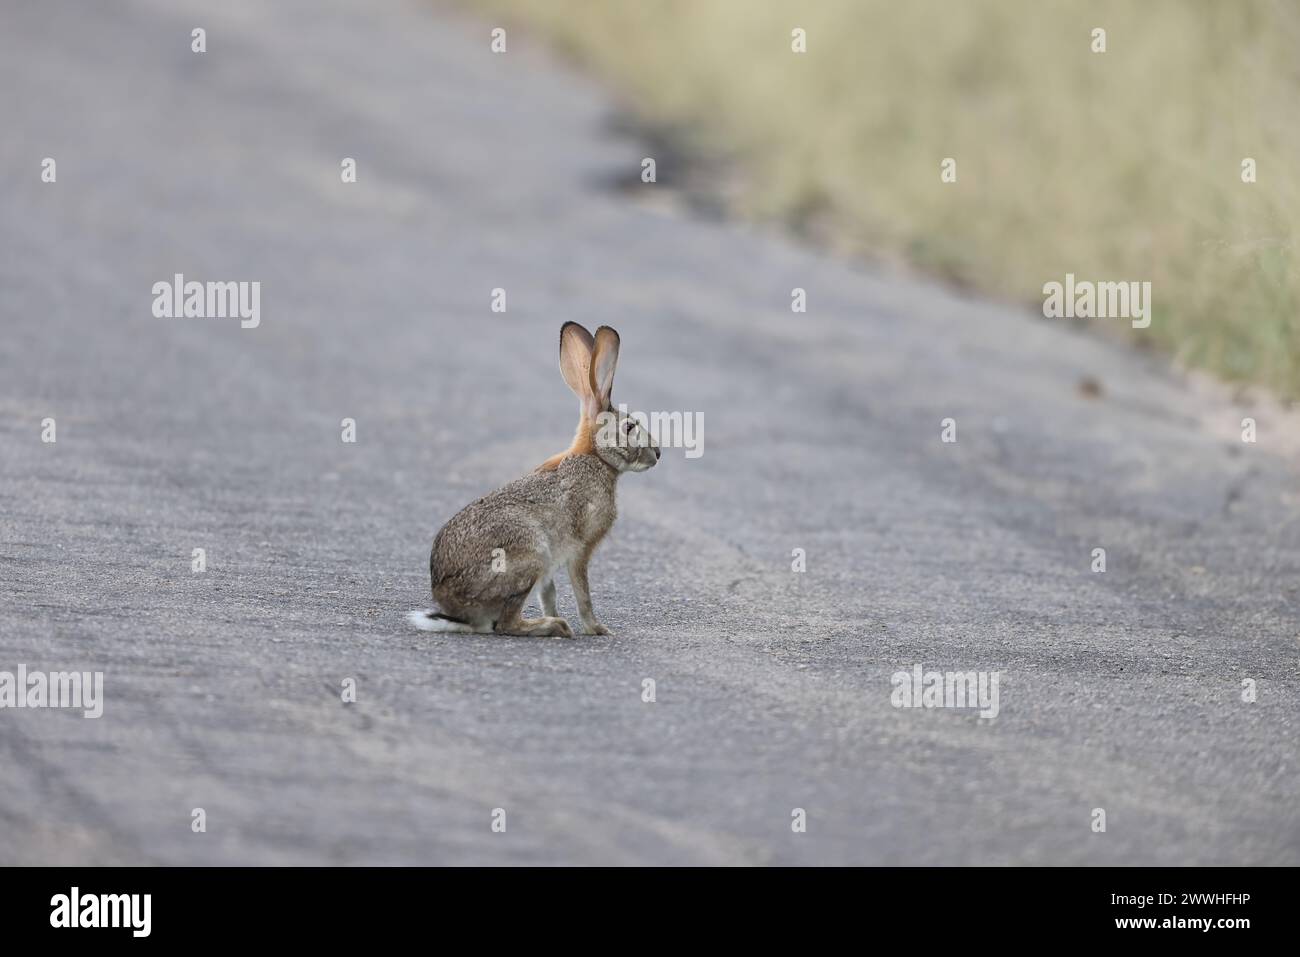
x=604, y=359
x=575, y=358
x=576, y=345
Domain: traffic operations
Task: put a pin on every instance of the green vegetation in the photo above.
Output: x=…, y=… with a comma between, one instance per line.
x=1123, y=165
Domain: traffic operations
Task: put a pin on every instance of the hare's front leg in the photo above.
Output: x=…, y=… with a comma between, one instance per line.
x=546, y=592
x=578, y=579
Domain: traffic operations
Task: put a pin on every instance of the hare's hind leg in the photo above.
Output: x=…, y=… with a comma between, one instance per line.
x=511, y=623
x=548, y=627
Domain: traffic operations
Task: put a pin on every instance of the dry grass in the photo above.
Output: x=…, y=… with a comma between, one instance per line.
x=1122, y=165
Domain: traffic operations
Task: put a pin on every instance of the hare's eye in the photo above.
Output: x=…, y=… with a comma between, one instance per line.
x=629, y=426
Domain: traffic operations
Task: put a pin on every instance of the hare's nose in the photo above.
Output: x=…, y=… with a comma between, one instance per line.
x=657, y=453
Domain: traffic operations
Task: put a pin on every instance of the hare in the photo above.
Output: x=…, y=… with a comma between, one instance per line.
x=495, y=552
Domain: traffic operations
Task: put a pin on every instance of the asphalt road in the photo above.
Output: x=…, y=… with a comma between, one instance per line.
x=1119, y=690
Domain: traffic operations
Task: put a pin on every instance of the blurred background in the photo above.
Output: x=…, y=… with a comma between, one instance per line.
x=1118, y=165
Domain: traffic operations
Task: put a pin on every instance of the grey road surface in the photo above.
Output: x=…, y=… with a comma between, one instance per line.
x=1119, y=690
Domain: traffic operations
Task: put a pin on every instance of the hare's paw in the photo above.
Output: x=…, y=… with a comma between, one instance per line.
x=595, y=628
x=559, y=628
x=547, y=627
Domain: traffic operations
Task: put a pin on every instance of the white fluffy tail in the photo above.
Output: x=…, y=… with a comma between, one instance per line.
x=428, y=619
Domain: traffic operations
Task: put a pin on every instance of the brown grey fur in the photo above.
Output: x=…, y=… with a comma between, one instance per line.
x=539, y=521
x=495, y=552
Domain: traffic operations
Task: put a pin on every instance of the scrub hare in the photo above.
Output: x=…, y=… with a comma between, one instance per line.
x=490, y=557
